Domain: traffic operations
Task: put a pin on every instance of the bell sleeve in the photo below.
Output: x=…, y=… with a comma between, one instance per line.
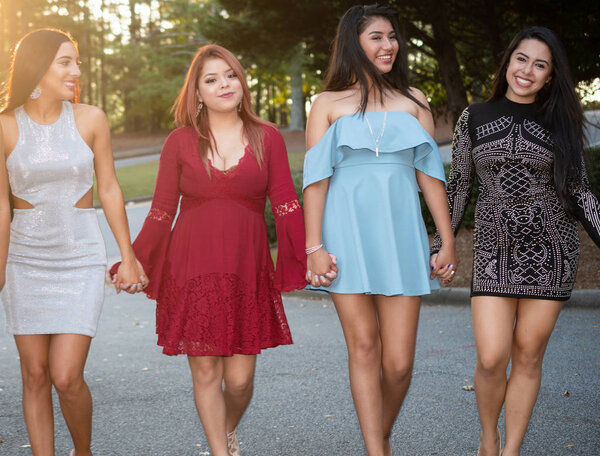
x=585, y=203
x=462, y=174
x=290, y=269
x=152, y=242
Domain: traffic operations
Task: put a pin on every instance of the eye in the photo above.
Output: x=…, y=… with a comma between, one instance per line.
x=209, y=80
x=232, y=76
x=520, y=58
x=541, y=66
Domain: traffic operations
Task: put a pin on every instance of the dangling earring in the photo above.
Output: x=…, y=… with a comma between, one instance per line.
x=199, y=108
x=36, y=93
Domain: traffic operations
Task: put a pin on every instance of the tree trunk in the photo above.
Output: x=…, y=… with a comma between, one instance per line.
x=297, y=109
x=445, y=51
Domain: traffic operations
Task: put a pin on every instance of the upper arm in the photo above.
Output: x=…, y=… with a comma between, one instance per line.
x=424, y=115
x=95, y=131
x=318, y=120
x=4, y=193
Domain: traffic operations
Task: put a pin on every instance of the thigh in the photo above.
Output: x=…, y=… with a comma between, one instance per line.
x=358, y=316
x=33, y=351
x=535, y=322
x=68, y=354
x=493, y=326
x=398, y=318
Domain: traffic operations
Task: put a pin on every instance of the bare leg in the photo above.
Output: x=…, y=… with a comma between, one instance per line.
x=398, y=321
x=207, y=375
x=239, y=383
x=493, y=323
x=358, y=316
x=37, y=392
x=535, y=321
x=68, y=354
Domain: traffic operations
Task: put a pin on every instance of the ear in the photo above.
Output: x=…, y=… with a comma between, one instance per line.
x=548, y=80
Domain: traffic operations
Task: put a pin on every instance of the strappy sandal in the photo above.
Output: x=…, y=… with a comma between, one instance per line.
x=233, y=445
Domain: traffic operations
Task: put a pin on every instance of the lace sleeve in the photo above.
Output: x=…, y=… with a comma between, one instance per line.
x=462, y=174
x=289, y=220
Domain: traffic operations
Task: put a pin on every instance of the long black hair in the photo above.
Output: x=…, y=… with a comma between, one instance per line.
x=32, y=57
x=349, y=64
x=559, y=109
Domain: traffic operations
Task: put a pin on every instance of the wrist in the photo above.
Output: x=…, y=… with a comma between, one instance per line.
x=313, y=249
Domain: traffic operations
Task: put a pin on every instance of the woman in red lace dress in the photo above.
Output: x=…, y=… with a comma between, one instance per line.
x=218, y=295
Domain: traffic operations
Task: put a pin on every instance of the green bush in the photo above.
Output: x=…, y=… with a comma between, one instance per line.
x=297, y=179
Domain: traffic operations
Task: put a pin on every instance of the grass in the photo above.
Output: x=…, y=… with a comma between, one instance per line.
x=136, y=180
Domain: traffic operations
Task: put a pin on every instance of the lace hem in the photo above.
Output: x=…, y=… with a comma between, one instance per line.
x=286, y=208
x=160, y=216
x=220, y=315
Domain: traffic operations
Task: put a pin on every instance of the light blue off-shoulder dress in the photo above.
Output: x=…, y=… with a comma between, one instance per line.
x=372, y=219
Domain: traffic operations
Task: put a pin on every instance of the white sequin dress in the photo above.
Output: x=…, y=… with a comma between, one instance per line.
x=56, y=259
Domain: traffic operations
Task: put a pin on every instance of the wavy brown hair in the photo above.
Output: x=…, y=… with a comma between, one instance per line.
x=186, y=104
x=31, y=59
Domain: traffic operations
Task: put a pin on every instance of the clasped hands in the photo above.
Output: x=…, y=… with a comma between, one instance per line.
x=321, y=268
x=444, y=264
x=130, y=277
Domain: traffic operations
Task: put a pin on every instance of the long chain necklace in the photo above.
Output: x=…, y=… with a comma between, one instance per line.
x=380, y=135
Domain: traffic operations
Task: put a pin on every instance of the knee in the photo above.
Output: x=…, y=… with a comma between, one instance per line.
x=240, y=386
x=492, y=364
x=206, y=372
x=35, y=377
x=365, y=349
x=397, y=370
x=67, y=384
x=527, y=359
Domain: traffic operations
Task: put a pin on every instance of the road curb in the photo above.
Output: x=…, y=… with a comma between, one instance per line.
x=584, y=299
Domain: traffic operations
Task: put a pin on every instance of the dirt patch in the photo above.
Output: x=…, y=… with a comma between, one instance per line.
x=123, y=142
x=294, y=141
x=588, y=274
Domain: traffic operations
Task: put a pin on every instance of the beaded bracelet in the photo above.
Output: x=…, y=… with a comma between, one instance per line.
x=313, y=249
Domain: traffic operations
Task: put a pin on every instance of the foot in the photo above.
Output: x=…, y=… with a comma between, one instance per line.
x=72, y=453
x=387, y=446
x=233, y=445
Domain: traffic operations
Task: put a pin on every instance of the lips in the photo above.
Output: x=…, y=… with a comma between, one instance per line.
x=226, y=95
x=70, y=85
x=387, y=58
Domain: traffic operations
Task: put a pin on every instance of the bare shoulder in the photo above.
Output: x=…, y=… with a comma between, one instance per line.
x=424, y=115
x=85, y=111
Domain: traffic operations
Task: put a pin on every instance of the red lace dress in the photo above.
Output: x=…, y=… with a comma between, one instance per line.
x=212, y=275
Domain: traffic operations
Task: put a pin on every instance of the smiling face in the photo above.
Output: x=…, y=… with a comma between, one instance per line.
x=63, y=73
x=219, y=87
x=378, y=41
x=529, y=68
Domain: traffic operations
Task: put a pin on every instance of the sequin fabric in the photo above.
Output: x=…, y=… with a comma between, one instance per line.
x=56, y=259
x=525, y=245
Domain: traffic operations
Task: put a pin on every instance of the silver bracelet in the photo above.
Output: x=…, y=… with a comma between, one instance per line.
x=313, y=249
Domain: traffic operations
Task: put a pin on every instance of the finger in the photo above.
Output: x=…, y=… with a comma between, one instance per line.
x=333, y=258
x=326, y=282
x=114, y=278
x=315, y=281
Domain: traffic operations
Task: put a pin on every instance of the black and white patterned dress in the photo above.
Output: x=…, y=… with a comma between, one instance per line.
x=525, y=245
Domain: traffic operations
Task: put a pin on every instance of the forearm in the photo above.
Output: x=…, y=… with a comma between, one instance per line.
x=111, y=199
x=434, y=193
x=4, y=237
x=314, y=205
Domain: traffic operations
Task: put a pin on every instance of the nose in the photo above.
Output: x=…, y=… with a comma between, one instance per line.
x=387, y=43
x=224, y=81
x=76, y=71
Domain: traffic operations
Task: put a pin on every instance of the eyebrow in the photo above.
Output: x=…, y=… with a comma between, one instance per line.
x=538, y=60
x=377, y=31
x=214, y=74
x=64, y=57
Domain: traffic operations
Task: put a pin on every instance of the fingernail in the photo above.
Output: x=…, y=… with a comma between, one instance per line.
x=432, y=268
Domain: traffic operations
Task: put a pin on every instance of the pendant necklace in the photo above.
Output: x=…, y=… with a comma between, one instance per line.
x=380, y=135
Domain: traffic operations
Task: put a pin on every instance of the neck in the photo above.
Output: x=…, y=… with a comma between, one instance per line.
x=219, y=121
x=43, y=110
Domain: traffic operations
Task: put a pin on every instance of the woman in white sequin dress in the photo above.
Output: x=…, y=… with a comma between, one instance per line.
x=56, y=261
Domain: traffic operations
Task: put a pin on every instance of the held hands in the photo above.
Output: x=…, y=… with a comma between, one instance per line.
x=130, y=277
x=444, y=264
x=321, y=268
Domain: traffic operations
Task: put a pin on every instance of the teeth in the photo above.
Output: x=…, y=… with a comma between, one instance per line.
x=523, y=81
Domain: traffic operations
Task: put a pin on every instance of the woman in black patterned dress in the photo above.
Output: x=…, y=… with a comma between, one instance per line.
x=525, y=148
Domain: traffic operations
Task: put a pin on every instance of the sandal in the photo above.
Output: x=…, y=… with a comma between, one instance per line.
x=233, y=445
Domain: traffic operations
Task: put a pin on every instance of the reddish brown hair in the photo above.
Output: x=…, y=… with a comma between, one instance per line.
x=186, y=104
x=33, y=56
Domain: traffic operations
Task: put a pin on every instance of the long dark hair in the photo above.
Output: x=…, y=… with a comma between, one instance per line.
x=559, y=109
x=186, y=104
x=349, y=64
x=31, y=59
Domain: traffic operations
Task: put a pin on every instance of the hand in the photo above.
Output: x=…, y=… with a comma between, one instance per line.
x=321, y=268
x=444, y=264
x=130, y=277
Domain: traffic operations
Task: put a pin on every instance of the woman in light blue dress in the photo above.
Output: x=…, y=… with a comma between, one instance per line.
x=371, y=151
